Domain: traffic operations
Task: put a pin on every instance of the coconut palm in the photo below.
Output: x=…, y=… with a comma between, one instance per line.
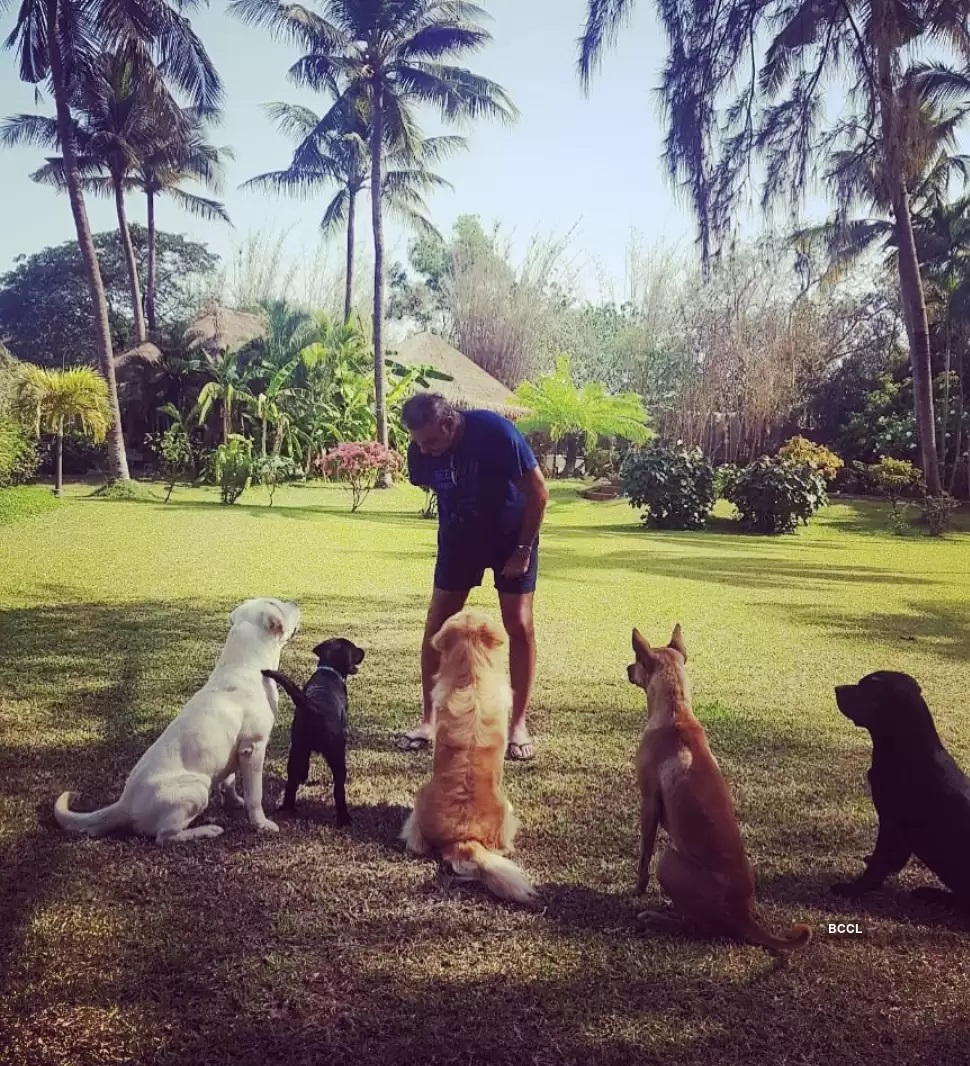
x=182, y=155
x=340, y=159
x=54, y=40
x=747, y=79
x=387, y=57
x=56, y=400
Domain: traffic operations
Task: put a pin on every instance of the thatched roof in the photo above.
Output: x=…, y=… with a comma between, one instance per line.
x=470, y=387
x=146, y=352
x=223, y=329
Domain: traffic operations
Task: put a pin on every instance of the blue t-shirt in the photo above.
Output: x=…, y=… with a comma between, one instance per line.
x=476, y=482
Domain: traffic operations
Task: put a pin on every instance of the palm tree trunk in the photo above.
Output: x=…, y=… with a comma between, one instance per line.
x=349, y=290
x=958, y=417
x=118, y=457
x=376, y=154
x=262, y=449
x=152, y=264
x=131, y=264
x=226, y=416
x=59, y=469
x=910, y=280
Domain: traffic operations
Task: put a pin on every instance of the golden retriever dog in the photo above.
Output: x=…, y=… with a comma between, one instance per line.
x=704, y=869
x=462, y=814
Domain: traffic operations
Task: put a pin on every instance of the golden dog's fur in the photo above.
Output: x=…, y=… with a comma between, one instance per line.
x=704, y=869
x=463, y=814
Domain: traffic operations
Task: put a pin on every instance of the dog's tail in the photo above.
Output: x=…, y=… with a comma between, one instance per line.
x=291, y=688
x=500, y=875
x=756, y=934
x=95, y=824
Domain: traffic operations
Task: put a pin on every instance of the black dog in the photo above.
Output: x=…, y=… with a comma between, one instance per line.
x=921, y=796
x=320, y=720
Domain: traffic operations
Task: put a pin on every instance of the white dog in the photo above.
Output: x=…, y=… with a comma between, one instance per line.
x=223, y=730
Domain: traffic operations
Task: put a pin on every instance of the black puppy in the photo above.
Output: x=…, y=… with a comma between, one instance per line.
x=320, y=720
x=921, y=796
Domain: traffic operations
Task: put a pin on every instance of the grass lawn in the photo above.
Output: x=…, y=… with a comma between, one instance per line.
x=320, y=946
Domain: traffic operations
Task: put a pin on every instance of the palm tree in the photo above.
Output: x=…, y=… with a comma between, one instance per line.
x=339, y=159
x=562, y=410
x=63, y=399
x=184, y=155
x=230, y=377
x=54, y=40
x=730, y=100
x=386, y=57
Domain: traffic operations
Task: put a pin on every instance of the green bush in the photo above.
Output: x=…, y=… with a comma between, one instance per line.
x=724, y=477
x=173, y=450
x=233, y=467
x=18, y=453
x=817, y=456
x=938, y=513
x=601, y=462
x=272, y=470
x=773, y=496
x=674, y=485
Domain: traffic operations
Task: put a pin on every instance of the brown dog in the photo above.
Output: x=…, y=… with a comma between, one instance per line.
x=704, y=870
x=462, y=814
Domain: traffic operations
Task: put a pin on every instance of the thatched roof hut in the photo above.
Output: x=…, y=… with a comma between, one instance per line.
x=470, y=387
x=223, y=329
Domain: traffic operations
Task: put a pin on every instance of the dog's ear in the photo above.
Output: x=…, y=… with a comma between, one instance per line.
x=444, y=638
x=273, y=622
x=677, y=641
x=490, y=635
x=358, y=654
x=641, y=649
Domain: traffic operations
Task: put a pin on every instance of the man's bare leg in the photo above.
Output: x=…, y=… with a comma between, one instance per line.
x=444, y=603
x=517, y=618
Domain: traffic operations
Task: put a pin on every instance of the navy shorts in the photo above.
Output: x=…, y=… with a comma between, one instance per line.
x=462, y=567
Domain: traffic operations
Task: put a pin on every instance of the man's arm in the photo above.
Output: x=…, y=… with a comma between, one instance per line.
x=533, y=488
x=417, y=474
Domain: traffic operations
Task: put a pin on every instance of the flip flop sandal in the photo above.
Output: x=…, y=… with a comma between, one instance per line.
x=516, y=752
x=405, y=742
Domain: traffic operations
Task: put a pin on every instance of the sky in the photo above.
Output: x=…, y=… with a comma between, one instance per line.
x=588, y=164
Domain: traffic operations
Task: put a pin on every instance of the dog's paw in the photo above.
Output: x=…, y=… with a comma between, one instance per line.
x=266, y=826
x=231, y=798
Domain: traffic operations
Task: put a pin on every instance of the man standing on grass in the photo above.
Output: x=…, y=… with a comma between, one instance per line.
x=491, y=501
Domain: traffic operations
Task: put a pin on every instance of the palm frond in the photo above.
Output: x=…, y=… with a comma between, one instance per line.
x=603, y=21
x=293, y=23
x=440, y=40
x=200, y=206
x=35, y=131
x=456, y=92
x=336, y=213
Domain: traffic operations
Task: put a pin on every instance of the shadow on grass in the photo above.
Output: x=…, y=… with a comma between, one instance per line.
x=319, y=946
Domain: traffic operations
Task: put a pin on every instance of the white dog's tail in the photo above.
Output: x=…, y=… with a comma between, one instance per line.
x=500, y=875
x=95, y=824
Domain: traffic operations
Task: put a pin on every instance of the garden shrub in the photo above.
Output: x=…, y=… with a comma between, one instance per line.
x=817, y=456
x=724, y=477
x=938, y=513
x=359, y=466
x=272, y=470
x=233, y=467
x=173, y=450
x=18, y=453
x=674, y=484
x=773, y=496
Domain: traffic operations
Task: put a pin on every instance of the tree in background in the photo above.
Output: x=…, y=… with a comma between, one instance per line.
x=390, y=56
x=561, y=410
x=54, y=41
x=746, y=80
x=65, y=399
x=47, y=318
x=340, y=158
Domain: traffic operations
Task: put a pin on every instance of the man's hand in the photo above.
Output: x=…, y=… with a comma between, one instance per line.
x=518, y=562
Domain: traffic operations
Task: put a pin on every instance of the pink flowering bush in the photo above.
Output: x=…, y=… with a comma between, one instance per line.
x=359, y=466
